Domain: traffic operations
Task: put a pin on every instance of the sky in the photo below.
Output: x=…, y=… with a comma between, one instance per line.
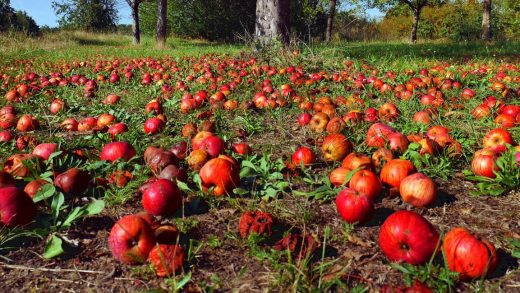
x=41, y=11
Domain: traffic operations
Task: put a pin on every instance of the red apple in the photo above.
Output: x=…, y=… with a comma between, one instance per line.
x=153, y=125
x=117, y=150
x=112, y=99
x=180, y=150
x=470, y=256
x=117, y=129
x=221, y=174
x=87, y=124
x=131, y=239
x=6, y=136
x=56, y=105
x=356, y=160
x=319, y=122
x=406, y=236
x=304, y=119
x=483, y=163
x=302, y=156
x=105, y=120
x=335, y=147
x=377, y=135
x=422, y=117
x=353, y=206
x=34, y=186
x=44, y=150
x=73, y=181
x=497, y=139
x=196, y=142
x=339, y=175
x=395, y=171
x=197, y=159
x=242, y=148
x=418, y=190
x=366, y=182
x=398, y=142
x=381, y=157
x=388, y=112
x=436, y=131
x=27, y=123
x=69, y=124
x=505, y=121
x=16, y=207
x=212, y=144
x=163, y=198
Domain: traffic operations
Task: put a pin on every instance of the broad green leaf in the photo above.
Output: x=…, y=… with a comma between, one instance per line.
x=248, y=164
x=95, y=207
x=53, y=248
x=183, y=186
x=57, y=205
x=45, y=192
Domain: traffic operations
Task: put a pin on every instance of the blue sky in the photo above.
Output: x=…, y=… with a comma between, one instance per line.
x=41, y=11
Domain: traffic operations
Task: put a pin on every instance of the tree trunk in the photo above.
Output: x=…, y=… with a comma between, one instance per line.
x=136, y=31
x=330, y=20
x=486, y=21
x=413, y=35
x=161, y=24
x=272, y=20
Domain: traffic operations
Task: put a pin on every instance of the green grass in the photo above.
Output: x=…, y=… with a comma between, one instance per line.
x=69, y=45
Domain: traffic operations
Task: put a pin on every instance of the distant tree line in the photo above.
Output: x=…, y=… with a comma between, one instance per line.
x=319, y=20
x=16, y=20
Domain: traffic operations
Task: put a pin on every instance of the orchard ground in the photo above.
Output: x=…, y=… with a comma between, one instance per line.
x=348, y=257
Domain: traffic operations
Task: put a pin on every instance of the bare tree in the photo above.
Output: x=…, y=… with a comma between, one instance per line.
x=161, y=23
x=272, y=20
x=330, y=20
x=136, y=31
x=486, y=21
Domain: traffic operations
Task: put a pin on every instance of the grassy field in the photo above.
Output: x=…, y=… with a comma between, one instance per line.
x=331, y=254
x=67, y=46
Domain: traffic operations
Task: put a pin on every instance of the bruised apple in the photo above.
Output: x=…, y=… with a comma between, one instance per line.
x=27, y=122
x=73, y=181
x=338, y=176
x=468, y=255
x=356, y=160
x=166, y=259
x=377, y=135
x=221, y=174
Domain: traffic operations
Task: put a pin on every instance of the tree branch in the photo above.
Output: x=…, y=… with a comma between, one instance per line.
x=408, y=2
